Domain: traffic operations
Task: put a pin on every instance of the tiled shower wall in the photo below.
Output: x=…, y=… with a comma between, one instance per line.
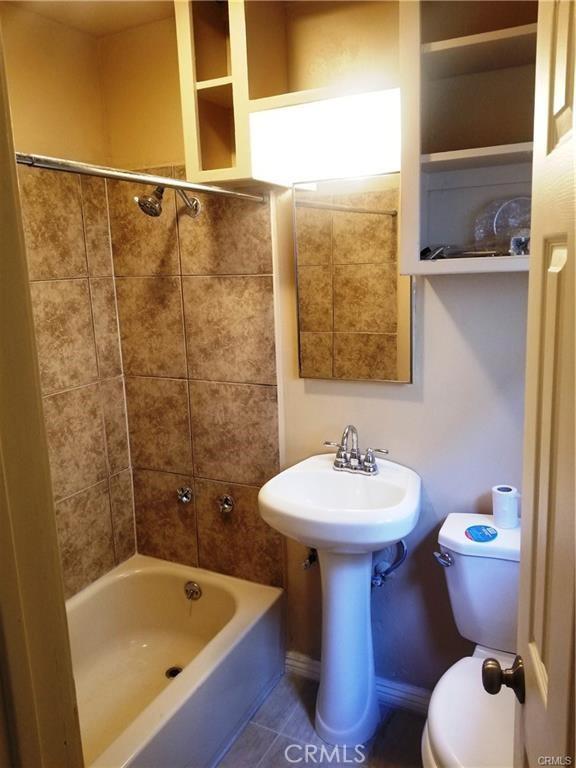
x=74, y=305
x=195, y=306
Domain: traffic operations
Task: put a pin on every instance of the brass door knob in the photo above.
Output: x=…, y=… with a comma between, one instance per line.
x=494, y=677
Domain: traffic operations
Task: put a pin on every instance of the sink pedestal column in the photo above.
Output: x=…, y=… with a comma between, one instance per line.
x=347, y=708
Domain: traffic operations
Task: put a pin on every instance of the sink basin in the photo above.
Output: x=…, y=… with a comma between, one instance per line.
x=341, y=511
x=346, y=517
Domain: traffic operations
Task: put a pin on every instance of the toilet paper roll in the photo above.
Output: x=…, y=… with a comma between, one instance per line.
x=505, y=506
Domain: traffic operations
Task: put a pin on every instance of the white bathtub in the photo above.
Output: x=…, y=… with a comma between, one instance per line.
x=130, y=626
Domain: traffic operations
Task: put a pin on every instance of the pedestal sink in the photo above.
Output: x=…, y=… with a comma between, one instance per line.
x=346, y=517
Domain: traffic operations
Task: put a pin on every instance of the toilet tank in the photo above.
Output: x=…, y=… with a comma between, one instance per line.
x=483, y=578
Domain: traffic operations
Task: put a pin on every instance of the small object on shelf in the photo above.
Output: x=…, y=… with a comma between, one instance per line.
x=520, y=244
x=500, y=221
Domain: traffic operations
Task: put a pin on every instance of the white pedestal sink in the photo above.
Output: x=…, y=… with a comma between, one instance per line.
x=346, y=517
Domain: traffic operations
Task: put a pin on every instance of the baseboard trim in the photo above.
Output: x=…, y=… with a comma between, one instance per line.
x=390, y=692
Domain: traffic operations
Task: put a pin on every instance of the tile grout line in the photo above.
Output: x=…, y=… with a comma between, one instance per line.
x=187, y=366
x=99, y=372
x=122, y=375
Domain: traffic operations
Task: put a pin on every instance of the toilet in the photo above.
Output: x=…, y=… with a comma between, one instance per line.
x=467, y=727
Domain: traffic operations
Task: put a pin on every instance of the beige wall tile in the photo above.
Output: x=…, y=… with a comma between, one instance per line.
x=230, y=328
x=52, y=218
x=115, y=424
x=316, y=355
x=143, y=245
x=364, y=238
x=96, y=226
x=75, y=431
x=165, y=527
x=365, y=298
x=151, y=326
x=365, y=356
x=106, y=327
x=315, y=298
x=240, y=543
x=235, y=429
x=230, y=237
x=85, y=537
x=313, y=236
x=159, y=424
x=122, y=507
x=64, y=333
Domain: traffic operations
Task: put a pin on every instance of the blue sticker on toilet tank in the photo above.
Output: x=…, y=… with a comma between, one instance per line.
x=481, y=533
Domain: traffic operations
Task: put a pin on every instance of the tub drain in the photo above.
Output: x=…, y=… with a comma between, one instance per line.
x=172, y=672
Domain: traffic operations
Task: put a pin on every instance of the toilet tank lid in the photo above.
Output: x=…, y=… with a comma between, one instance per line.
x=476, y=535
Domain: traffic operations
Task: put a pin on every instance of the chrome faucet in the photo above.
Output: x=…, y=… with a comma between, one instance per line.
x=349, y=458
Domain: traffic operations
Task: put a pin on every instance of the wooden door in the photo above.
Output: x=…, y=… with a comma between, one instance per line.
x=545, y=723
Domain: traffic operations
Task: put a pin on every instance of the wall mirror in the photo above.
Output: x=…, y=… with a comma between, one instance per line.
x=354, y=309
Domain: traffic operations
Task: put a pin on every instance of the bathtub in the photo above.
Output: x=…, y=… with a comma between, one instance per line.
x=135, y=623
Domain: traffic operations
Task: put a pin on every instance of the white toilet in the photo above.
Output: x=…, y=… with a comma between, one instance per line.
x=467, y=727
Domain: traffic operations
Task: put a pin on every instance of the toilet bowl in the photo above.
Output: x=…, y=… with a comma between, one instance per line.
x=467, y=727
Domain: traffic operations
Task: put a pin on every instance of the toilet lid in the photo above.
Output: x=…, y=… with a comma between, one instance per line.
x=467, y=726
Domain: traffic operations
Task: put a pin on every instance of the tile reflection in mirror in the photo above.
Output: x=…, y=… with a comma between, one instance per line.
x=354, y=309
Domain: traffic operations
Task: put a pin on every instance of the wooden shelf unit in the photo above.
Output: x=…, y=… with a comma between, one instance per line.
x=455, y=159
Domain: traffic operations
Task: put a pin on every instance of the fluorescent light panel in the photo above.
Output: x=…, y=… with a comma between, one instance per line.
x=330, y=139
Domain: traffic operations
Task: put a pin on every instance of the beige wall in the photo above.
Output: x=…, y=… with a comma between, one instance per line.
x=53, y=80
x=459, y=425
x=140, y=87
x=112, y=100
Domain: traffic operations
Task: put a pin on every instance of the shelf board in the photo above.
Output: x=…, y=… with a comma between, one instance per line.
x=512, y=47
x=476, y=265
x=203, y=85
x=217, y=91
x=503, y=154
x=314, y=94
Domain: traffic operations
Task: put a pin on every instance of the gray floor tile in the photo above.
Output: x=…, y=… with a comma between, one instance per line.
x=397, y=744
x=249, y=748
x=279, y=705
x=300, y=724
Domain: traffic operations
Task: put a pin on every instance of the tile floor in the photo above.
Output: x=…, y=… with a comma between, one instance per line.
x=287, y=717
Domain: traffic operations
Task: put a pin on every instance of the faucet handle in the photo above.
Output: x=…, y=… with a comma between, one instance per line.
x=341, y=459
x=369, y=464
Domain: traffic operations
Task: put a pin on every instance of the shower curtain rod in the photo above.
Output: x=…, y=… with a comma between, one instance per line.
x=346, y=208
x=72, y=166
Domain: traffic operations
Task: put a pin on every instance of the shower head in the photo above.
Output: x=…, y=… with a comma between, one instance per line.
x=151, y=205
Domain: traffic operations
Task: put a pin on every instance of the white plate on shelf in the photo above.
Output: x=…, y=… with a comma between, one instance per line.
x=500, y=221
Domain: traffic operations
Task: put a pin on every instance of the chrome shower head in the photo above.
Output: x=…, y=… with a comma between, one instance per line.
x=151, y=205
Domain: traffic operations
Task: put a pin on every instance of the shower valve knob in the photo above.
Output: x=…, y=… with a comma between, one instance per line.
x=226, y=504
x=184, y=494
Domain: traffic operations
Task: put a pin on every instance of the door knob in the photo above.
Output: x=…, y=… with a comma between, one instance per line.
x=494, y=677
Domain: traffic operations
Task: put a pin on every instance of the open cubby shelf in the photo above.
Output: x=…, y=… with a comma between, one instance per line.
x=211, y=39
x=216, y=127
x=296, y=47
x=446, y=19
x=499, y=49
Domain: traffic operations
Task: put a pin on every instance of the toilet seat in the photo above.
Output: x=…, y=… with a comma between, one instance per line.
x=467, y=727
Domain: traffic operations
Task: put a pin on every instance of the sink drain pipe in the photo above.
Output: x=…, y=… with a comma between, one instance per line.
x=383, y=569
